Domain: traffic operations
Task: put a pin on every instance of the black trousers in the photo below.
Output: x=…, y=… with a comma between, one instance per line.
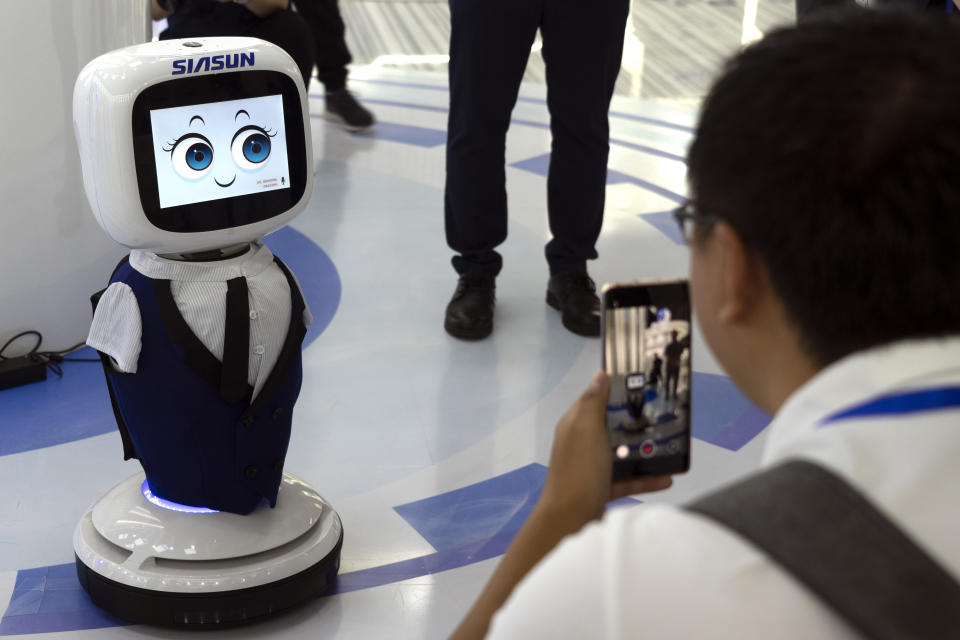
x=331, y=53
x=808, y=8
x=489, y=46
x=673, y=377
x=283, y=28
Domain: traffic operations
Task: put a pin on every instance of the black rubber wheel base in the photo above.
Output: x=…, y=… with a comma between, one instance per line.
x=209, y=610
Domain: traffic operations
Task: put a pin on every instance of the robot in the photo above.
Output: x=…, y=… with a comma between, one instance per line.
x=191, y=151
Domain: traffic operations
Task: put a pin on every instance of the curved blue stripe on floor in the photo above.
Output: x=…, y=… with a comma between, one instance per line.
x=51, y=600
x=318, y=276
x=391, y=130
x=665, y=223
x=540, y=165
x=617, y=114
x=403, y=133
x=77, y=406
x=722, y=415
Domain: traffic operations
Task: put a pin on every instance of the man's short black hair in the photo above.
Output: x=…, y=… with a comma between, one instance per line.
x=833, y=149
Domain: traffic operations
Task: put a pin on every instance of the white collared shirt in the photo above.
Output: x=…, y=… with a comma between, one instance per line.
x=199, y=290
x=657, y=571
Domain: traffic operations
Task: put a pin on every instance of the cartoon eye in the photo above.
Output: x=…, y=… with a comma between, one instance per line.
x=250, y=147
x=192, y=156
x=199, y=156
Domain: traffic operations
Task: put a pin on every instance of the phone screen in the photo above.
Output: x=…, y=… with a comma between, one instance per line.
x=646, y=353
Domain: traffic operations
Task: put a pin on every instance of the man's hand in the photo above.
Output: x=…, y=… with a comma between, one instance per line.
x=577, y=488
x=578, y=484
x=157, y=12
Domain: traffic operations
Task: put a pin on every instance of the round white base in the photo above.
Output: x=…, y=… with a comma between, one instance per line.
x=149, y=561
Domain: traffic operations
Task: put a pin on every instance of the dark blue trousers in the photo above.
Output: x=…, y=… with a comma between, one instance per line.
x=489, y=46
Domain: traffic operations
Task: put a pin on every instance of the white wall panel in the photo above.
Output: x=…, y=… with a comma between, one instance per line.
x=53, y=254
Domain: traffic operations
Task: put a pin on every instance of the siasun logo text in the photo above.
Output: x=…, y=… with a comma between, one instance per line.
x=212, y=63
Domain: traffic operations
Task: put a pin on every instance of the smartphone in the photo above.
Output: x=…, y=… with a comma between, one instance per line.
x=646, y=353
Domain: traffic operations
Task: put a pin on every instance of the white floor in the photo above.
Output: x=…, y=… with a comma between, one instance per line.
x=393, y=411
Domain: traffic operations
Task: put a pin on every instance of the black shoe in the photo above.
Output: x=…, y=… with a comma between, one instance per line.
x=574, y=295
x=343, y=108
x=470, y=312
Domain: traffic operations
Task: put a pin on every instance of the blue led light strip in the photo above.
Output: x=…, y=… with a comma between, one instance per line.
x=171, y=506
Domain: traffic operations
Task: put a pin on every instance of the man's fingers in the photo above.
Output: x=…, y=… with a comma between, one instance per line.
x=597, y=394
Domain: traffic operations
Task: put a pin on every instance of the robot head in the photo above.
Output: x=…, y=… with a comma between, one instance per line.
x=190, y=145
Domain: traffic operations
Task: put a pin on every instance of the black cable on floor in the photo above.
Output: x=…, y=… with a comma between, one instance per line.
x=51, y=359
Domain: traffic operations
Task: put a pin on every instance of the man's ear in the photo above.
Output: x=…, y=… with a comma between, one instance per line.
x=742, y=278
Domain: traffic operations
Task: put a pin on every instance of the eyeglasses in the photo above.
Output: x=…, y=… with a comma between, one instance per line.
x=688, y=218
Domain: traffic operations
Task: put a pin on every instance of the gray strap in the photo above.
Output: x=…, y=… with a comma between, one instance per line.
x=830, y=538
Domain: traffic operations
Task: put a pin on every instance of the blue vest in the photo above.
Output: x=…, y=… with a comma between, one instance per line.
x=196, y=446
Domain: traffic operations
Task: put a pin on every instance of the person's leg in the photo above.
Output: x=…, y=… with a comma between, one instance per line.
x=490, y=43
x=332, y=55
x=332, y=58
x=288, y=31
x=673, y=376
x=582, y=48
x=489, y=47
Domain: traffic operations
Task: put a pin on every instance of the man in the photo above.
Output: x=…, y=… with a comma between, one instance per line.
x=674, y=354
x=490, y=43
x=819, y=215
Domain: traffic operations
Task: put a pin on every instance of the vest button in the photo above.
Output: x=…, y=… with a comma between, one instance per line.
x=277, y=413
x=248, y=421
x=250, y=472
x=278, y=466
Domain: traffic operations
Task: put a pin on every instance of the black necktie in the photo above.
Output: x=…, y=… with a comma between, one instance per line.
x=236, y=342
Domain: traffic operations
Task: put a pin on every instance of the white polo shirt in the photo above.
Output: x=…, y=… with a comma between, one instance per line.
x=657, y=571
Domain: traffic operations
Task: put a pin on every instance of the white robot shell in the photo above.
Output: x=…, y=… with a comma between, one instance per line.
x=120, y=173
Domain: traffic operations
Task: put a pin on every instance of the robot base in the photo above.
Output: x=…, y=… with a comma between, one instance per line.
x=149, y=561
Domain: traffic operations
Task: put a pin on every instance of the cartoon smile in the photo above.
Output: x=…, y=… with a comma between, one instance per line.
x=228, y=184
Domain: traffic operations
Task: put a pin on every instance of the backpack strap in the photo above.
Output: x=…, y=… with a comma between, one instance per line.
x=834, y=541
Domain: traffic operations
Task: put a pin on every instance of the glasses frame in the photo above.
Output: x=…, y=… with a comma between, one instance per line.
x=688, y=218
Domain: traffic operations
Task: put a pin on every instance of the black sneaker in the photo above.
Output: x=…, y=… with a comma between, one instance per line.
x=574, y=295
x=343, y=108
x=469, y=314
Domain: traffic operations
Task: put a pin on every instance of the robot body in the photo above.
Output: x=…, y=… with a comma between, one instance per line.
x=237, y=442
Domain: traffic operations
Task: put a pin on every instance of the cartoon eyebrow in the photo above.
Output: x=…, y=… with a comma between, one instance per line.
x=196, y=118
x=252, y=127
x=243, y=111
x=173, y=144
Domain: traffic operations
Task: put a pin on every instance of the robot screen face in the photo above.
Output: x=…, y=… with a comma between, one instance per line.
x=219, y=150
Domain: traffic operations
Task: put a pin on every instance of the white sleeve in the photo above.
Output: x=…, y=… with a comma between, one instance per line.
x=116, y=329
x=562, y=597
x=657, y=571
